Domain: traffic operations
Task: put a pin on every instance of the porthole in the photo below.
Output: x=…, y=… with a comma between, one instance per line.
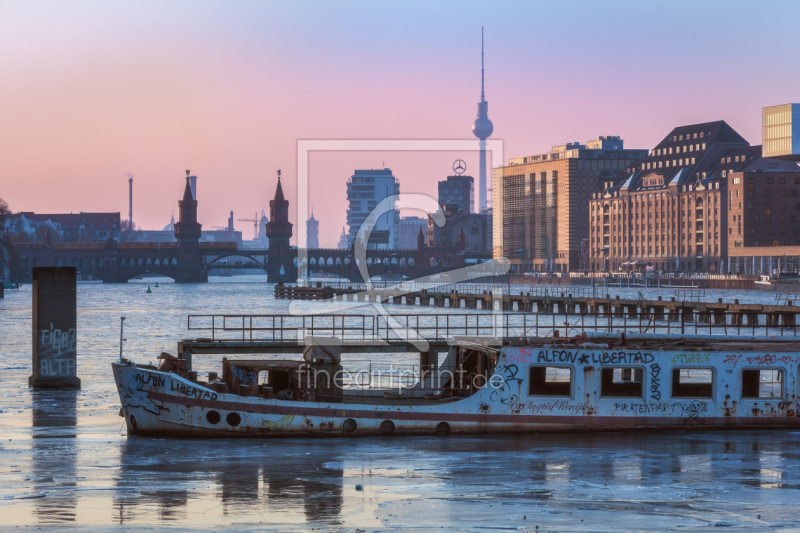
x=349, y=425
x=213, y=417
x=387, y=427
x=233, y=419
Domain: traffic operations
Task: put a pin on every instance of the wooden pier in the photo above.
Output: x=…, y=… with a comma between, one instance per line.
x=575, y=301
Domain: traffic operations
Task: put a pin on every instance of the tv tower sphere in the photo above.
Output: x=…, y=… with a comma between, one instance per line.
x=482, y=128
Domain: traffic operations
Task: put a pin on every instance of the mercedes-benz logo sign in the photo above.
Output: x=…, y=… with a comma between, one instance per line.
x=459, y=167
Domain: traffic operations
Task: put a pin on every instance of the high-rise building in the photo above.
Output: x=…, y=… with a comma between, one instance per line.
x=312, y=233
x=778, y=138
x=458, y=190
x=539, y=202
x=409, y=228
x=365, y=190
x=482, y=128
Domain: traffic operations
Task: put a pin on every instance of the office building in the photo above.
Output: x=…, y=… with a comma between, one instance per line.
x=408, y=230
x=365, y=190
x=458, y=190
x=539, y=202
x=473, y=229
x=778, y=138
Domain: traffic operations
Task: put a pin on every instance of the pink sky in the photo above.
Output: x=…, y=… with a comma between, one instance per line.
x=90, y=91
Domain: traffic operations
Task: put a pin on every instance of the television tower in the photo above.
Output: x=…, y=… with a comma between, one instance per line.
x=482, y=128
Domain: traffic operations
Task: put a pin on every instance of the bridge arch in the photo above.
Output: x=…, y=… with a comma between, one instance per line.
x=174, y=261
x=402, y=262
x=313, y=261
x=330, y=261
x=158, y=262
x=147, y=262
x=410, y=262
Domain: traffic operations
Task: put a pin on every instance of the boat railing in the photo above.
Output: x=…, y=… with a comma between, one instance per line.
x=362, y=329
x=787, y=298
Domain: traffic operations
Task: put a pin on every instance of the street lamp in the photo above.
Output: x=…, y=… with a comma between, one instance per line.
x=508, y=276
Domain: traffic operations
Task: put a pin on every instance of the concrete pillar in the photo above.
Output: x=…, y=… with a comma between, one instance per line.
x=752, y=319
x=54, y=328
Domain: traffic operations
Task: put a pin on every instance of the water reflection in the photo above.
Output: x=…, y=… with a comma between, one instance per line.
x=227, y=477
x=54, y=455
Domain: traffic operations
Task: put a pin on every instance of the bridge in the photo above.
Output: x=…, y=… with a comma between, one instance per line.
x=117, y=262
x=189, y=261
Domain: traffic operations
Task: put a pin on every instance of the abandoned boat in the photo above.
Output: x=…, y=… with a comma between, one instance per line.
x=596, y=381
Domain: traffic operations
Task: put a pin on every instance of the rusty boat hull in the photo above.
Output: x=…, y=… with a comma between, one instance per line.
x=534, y=388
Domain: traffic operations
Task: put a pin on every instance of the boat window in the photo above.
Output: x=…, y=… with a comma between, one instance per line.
x=692, y=382
x=550, y=381
x=621, y=382
x=758, y=383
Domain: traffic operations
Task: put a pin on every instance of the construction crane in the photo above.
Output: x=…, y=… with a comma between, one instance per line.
x=255, y=220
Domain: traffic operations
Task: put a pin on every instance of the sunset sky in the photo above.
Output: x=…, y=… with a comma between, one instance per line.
x=91, y=91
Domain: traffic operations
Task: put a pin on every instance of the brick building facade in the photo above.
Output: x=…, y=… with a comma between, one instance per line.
x=685, y=206
x=540, y=202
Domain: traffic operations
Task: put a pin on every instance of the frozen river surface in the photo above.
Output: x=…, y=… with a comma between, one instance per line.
x=66, y=462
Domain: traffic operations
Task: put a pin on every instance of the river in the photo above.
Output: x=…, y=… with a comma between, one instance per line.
x=66, y=461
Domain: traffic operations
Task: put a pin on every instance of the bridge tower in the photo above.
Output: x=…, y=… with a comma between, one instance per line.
x=280, y=262
x=187, y=231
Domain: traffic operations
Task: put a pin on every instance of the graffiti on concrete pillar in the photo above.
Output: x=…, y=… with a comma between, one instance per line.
x=57, y=352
